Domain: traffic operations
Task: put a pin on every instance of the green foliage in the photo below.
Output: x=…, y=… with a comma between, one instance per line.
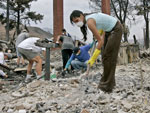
x=34, y=17
x=1, y=17
x=19, y=9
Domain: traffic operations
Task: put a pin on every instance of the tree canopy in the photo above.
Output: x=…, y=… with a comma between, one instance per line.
x=19, y=13
x=143, y=8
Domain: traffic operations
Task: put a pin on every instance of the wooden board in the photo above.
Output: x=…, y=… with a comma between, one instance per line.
x=22, y=69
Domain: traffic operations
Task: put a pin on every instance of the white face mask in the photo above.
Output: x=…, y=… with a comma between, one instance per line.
x=80, y=24
x=77, y=54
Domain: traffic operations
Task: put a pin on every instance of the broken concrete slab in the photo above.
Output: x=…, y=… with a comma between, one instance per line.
x=34, y=84
x=22, y=111
x=19, y=94
x=70, y=96
x=85, y=111
x=127, y=105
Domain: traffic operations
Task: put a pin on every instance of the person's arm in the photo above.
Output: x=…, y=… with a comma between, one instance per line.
x=94, y=41
x=91, y=45
x=58, y=38
x=100, y=38
x=69, y=61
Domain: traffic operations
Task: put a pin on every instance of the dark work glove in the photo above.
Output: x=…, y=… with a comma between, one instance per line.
x=63, y=73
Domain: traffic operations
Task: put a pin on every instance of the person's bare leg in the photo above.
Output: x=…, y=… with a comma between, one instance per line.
x=39, y=66
x=29, y=67
x=22, y=59
x=29, y=71
x=38, y=61
x=18, y=61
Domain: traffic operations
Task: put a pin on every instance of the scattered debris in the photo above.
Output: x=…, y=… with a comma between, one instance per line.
x=70, y=94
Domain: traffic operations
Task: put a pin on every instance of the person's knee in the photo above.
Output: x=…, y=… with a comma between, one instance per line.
x=73, y=63
x=31, y=62
x=37, y=59
x=40, y=60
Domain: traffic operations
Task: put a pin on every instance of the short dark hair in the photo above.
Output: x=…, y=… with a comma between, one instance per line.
x=75, y=14
x=63, y=30
x=75, y=50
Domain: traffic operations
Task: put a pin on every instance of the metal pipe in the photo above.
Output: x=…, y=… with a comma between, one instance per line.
x=106, y=6
x=47, y=65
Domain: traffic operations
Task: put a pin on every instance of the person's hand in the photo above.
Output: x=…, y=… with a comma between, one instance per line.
x=6, y=76
x=94, y=57
x=57, y=44
x=101, y=31
x=64, y=72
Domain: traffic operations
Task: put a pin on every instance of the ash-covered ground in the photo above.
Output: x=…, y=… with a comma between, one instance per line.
x=70, y=94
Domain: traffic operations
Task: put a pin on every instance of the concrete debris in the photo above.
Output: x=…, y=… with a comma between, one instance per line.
x=84, y=111
x=22, y=111
x=10, y=111
x=69, y=94
x=19, y=94
x=127, y=105
x=34, y=84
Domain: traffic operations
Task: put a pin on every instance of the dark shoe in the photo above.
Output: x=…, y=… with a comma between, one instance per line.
x=17, y=65
x=105, y=89
x=24, y=65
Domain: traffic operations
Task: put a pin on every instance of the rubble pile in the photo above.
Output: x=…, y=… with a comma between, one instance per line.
x=74, y=95
x=145, y=53
x=56, y=59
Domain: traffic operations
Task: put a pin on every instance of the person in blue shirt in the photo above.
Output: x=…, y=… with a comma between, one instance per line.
x=79, y=57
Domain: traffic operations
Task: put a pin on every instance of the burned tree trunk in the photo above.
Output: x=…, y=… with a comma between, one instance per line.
x=128, y=53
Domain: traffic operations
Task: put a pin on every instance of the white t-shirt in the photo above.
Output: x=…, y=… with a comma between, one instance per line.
x=2, y=58
x=29, y=44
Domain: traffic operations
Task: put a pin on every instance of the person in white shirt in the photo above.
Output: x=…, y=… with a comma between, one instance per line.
x=22, y=36
x=31, y=52
x=2, y=61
